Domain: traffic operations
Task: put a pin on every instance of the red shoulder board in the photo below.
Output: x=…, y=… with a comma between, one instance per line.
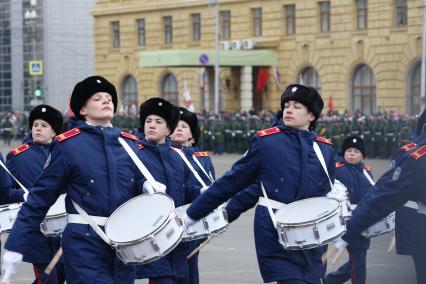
x=202, y=154
x=323, y=140
x=419, y=153
x=20, y=149
x=268, y=131
x=130, y=136
x=140, y=146
x=409, y=147
x=368, y=168
x=70, y=133
x=339, y=164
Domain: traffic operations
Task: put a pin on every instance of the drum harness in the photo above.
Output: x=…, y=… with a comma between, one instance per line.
x=96, y=221
x=194, y=172
x=17, y=181
x=273, y=204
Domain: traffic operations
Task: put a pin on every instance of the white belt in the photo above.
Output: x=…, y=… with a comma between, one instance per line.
x=274, y=204
x=77, y=219
x=412, y=205
x=422, y=208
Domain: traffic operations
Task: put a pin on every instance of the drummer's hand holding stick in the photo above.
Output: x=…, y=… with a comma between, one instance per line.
x=10, y=262
x=203, y=244
x=391, y=244
x=150, y=188
x=340, y=245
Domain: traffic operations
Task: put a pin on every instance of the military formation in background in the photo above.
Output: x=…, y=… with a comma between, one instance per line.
x=231, y=132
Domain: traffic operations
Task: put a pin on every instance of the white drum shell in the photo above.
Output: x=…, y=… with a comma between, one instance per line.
x=163, y=238
x=384, y=226
x=56, y=219
x=213, y=224
x=8, y=214
x=312, y=234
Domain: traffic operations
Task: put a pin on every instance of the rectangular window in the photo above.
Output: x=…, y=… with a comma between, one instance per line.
x=196, y=27
x=168, y=30
x=290, y=19
x=115, y=34
x=141, y=31
x=325, y=16
x=401, y=13
x=257, y=21
x=362, y=14
x=225, y=24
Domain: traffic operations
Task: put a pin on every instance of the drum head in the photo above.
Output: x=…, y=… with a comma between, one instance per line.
x=58, y=207
x=306, y=210
x=138, y=217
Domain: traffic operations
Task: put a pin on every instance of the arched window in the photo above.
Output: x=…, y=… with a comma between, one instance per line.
x=169, y=89
x=309, y=77
x=130, y=92
x=414, y=90
x=363, y=90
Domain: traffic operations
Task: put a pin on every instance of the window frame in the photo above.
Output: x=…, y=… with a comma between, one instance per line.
x=256, y=14
x=168, y=29
x=290, y=19
x=115, y=29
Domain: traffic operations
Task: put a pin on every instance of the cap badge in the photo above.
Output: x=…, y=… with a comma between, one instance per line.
x=43, y=109
x=98, y=81
x=354, y=140
x=294, y=89
x=160, y=103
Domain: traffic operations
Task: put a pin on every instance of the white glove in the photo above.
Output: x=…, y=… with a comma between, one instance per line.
x=11, y=260
x=151, y=189
x=188, y=222
x=340, y=243
x=336, y=195
x=204, y=188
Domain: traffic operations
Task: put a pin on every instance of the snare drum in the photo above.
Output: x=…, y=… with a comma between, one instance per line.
x=56, y=219
x=310, y=223
x=213, y=224
x=386, y=225
x=8, y=214
x=145, y=228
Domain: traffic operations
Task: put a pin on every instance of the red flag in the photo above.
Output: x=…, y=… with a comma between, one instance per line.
x=262, y=79
x=330, y=104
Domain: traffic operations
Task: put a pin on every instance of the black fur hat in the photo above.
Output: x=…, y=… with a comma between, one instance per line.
x=190, y=118
x=308, y=96
x=353, y=142
x=421, y=122
x=49, y=114
x=85, y=89
x=162, y=108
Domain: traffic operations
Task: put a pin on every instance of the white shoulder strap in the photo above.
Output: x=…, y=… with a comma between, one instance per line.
x=194, y=172
x=368, y=177
x=202, y=168
x=322, y=161
x=268, y=205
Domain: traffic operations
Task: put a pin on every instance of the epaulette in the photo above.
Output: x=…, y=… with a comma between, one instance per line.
x=140, y=146
x=268, y=131
x=368, y=168
x=20, y=149
x=70, y=133
x=419, y=152
x=323, y=140
x=409, y=147
x=130, y=136
x=339, y=164
x=202, y=154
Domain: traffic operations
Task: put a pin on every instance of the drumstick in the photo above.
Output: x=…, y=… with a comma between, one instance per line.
x=203, y=244
x=327, y=254
x=338, y=254
x=53, y=262
x=391, y=244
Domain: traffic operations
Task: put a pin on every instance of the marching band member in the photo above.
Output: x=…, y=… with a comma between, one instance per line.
x=186, y=137
x=26, y=163
x=158, y=119
x=403, y=182
x=284, y=160
x=91, y=166
x=351, y=171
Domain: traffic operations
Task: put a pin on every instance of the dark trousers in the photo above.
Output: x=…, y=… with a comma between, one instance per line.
x=56, y=276
x=354, y=269
x=292, y=282
x=161, y=280
x=193, y=274
x=420, y=265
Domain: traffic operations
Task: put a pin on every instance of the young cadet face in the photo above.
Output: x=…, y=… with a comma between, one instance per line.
x=156, y=129
x=98, y=109
x=353, y=156
x=42, y=132
x=182, y=134
x=296, y=115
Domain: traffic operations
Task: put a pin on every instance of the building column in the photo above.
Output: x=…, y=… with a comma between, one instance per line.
x=246, y=88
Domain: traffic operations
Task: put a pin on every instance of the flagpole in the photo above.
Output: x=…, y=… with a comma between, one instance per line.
x=423, y=66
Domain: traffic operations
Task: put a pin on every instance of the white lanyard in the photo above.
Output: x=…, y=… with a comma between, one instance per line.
x=202, y=168
x=268, y=205
x=194, y=172
x=368, y=177
x=17, y=181
x=322, y=161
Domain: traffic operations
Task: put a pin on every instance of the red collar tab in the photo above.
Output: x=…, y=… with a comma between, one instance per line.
x=70, y=133
x=20, y=149
x=323, y=140
x=130, y=136
x=202, y=154
x=268, y=131
x=339, y=164
x=419, y=153
x=409, y=147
